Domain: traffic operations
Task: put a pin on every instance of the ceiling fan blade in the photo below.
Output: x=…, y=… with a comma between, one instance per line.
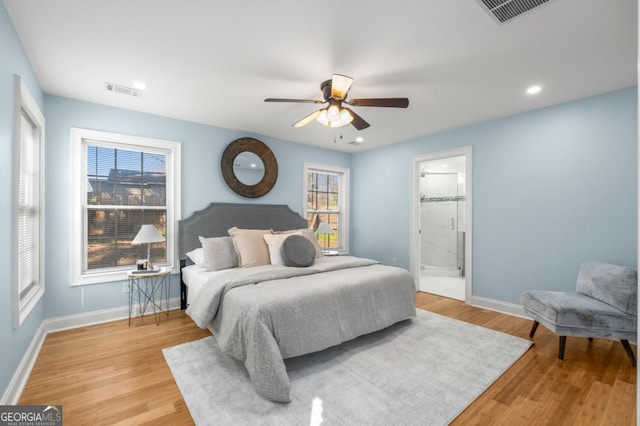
x=358, y=122
x=306, y=101
x=381, y=102
x=340, y=85
x=308, y=119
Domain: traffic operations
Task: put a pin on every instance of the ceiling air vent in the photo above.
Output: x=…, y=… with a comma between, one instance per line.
x=123, y=89
x=505, y=10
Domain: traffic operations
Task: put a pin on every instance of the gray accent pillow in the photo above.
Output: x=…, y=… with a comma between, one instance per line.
x=611, y=284
x=297, y=251
x=308, y=234
x=219, y=253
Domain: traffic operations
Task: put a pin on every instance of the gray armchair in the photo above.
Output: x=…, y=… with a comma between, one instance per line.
x=603, y=305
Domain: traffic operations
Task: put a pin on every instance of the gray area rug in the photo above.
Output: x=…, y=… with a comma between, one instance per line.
x=423, y=371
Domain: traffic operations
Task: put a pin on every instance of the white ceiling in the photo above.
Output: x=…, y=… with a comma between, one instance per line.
x=214, y=62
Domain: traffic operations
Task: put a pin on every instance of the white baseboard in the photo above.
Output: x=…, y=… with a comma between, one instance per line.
x=499, y=306
x=20, y=377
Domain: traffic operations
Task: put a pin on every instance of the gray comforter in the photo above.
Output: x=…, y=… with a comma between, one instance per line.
x=265, y=314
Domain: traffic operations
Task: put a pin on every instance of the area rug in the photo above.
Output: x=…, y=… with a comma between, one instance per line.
x=423, y=371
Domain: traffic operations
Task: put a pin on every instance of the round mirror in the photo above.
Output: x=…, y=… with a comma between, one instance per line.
x=249, y=167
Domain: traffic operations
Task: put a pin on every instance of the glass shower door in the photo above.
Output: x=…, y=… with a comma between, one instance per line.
x=439, y=223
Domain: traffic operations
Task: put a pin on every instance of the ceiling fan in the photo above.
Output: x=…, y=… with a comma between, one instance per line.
x=335, y=93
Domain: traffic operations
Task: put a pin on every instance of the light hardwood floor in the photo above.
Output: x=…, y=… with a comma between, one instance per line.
x=115, y=374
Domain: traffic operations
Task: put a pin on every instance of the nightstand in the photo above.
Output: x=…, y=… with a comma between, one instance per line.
x=151, y=288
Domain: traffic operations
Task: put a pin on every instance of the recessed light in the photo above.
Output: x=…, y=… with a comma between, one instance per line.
x=357, y=141
x=139, y=85
x=534, y=90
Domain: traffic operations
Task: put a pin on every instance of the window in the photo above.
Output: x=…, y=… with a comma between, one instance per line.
x=326, y=200
x=28, y=229
x=121, y=183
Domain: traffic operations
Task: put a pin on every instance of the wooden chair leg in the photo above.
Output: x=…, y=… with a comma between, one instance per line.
x=534, y=327
x=563, y=341
x=629, y=351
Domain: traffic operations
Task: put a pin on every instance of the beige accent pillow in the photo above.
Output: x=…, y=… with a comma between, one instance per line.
x=250, y=245
x=274, y=242
x=308, y=234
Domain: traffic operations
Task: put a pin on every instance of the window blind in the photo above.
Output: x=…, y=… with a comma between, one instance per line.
x=125, y=189
x=28, y=210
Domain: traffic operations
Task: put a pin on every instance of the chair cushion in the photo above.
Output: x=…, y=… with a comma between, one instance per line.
x=611, y=284
x=575, y=314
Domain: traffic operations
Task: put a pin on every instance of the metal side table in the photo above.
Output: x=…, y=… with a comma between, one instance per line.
x=152, y=291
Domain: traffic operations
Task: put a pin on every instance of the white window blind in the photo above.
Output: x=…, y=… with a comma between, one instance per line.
x=29, y=204
x=125, y=190
x=28, y=209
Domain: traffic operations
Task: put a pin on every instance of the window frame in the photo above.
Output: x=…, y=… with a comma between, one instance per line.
x=24, y=104
x=80, y=138
x=343, y=199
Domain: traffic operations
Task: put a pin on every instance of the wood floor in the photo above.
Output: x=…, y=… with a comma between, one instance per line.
x=115, y=374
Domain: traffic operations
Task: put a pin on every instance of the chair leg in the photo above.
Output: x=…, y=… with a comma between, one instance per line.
x=534, y=327
x=629, y=351
x=563, y=341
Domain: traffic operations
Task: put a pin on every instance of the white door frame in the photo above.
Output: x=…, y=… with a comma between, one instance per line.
x=465, y=151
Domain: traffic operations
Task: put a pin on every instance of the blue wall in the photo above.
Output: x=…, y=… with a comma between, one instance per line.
x=551, y=188
x=14, y=61
x=202, y=183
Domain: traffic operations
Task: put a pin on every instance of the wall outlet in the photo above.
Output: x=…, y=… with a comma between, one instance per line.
x=125, y=287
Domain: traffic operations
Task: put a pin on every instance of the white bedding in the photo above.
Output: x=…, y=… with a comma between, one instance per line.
x=195, y=277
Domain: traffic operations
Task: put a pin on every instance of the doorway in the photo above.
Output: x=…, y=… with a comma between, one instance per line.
x=442, y=232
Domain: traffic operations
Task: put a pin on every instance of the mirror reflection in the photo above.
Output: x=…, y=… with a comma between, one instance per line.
x=248, y=168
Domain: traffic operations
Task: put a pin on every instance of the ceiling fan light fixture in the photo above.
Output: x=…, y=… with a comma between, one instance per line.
x=322, y=118
x=341, y=117
x=345, y=117
x=333, y=113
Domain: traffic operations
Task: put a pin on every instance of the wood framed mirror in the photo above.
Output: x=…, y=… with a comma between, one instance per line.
x=249, y=167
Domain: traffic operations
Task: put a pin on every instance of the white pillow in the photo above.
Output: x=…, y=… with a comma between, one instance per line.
x=219, y=253
x=197, y=256
x=274, y=242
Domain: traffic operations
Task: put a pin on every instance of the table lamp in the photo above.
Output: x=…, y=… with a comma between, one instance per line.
x=148, y=234
x=324, y=229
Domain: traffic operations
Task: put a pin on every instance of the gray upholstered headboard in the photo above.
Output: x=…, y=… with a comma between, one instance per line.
x=217, y=218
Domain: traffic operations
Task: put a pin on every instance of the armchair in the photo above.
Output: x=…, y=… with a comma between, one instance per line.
x=603, y=305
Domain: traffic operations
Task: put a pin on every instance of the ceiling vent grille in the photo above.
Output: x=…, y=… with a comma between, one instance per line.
x=505, y=10
x=111, y=87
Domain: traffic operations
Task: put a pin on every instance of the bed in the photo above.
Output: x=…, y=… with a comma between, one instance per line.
x=264, y=314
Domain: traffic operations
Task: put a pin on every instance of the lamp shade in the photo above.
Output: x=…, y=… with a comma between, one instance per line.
x=148, y=234
x=324, y=228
